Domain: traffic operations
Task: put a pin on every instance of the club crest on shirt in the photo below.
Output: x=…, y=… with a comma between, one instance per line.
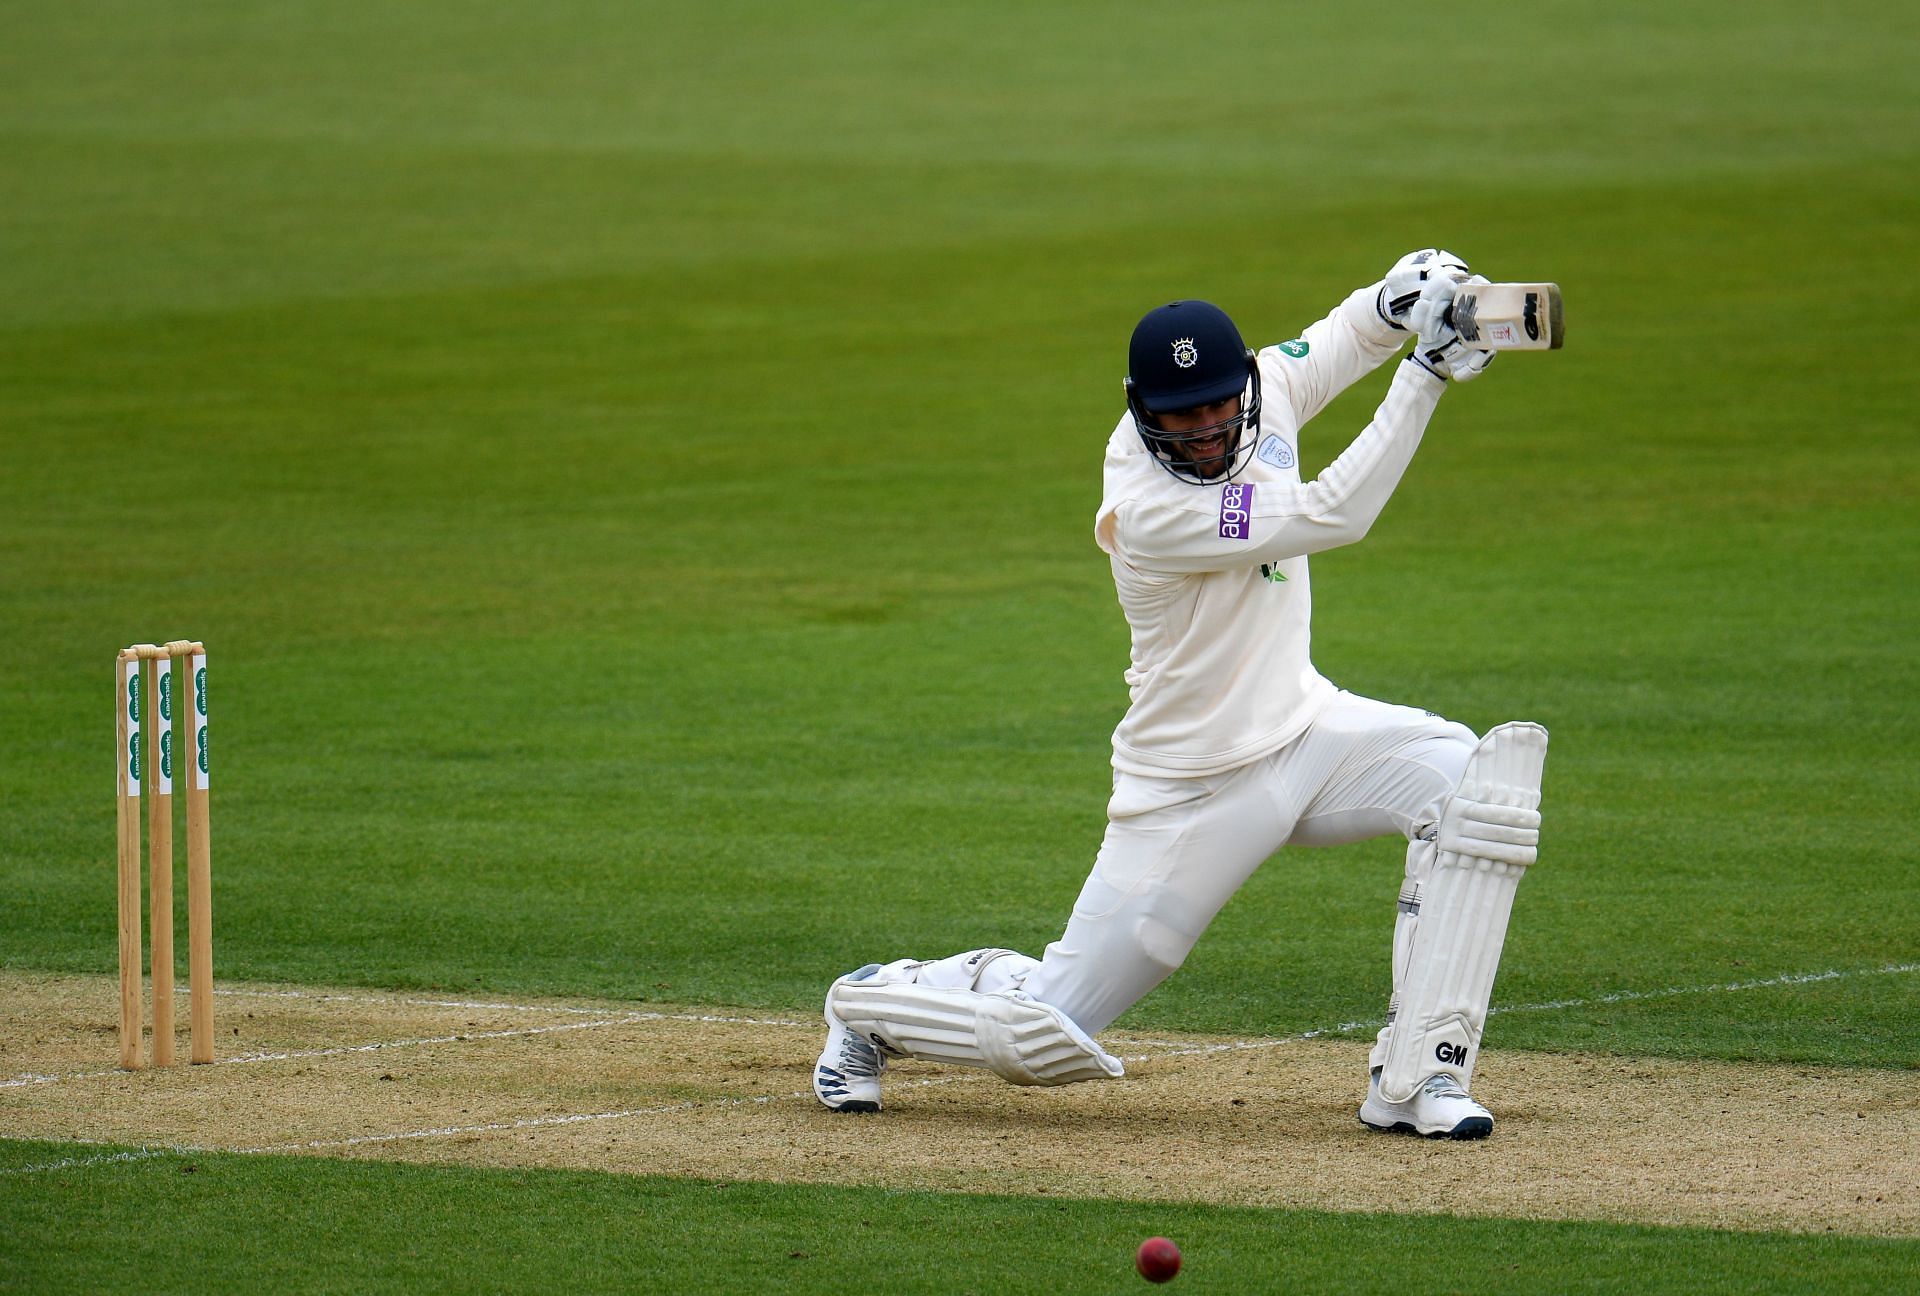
x=1236, y=511
x=1185, y=354
x=1277, y=452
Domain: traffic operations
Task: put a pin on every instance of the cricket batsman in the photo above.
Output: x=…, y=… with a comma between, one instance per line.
x=1233, y=745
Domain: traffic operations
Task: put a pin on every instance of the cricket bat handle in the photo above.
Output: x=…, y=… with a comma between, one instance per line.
x=1509, y=316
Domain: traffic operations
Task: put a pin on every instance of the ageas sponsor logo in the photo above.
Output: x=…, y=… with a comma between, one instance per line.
x=1236, y=511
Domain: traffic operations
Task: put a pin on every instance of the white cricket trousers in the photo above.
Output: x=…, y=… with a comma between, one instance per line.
x=1176, y=850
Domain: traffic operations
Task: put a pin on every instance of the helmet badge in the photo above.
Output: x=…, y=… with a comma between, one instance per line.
x=1185, y=354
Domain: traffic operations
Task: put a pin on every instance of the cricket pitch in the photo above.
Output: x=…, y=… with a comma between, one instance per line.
x=640, y=1089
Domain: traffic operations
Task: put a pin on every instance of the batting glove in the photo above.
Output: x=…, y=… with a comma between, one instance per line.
x=1440, y=351
x=1409, y=275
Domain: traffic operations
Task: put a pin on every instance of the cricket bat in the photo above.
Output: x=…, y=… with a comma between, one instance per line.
x=1509, y=316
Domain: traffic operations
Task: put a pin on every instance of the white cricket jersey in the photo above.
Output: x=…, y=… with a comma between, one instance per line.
x=1213, y=577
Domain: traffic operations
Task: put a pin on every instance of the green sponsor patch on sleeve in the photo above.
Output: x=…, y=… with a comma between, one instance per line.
x=1296, y=348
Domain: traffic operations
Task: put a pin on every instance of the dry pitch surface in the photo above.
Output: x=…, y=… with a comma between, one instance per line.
x=608, y=1086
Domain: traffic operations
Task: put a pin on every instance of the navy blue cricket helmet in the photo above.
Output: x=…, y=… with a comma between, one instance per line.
x=1186, y=355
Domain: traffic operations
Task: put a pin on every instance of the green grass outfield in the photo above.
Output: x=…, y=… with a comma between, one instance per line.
x=634, y=469
x=393, y=1228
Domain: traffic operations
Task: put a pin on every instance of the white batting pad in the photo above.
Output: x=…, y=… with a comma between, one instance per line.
x=1489, y=834
x=1019, y=1039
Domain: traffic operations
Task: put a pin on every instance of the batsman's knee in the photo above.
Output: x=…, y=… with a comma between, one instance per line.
x=1162, y=946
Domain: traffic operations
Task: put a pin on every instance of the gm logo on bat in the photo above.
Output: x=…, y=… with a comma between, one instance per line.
x=1236, y=511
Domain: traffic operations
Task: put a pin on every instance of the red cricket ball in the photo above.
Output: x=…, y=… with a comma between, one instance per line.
x=1158, y=1259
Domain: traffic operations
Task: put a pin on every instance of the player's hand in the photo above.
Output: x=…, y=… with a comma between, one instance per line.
x=1409, y=275
x=1427, y=315
x=1440, y=351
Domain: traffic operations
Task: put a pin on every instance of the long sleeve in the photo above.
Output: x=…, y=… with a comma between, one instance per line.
x=1246, y=523
x=1334, y=353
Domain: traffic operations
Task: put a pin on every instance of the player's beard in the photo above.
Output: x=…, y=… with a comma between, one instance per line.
x=1214, y=463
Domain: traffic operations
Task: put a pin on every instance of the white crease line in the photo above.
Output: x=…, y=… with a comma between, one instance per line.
x=1170, y=1049
x=526, y=1122
x=627, y=1019
x=378, y=1045
x=1788, y=979
x=103, y=1158
x=375, y=1047
x=576, y=1118
x=449, y=1131
x=1167, y=1049
x=495, y=1007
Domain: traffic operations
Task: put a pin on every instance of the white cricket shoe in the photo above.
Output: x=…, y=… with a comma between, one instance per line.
x=1439, y=1108
x=847, y=1076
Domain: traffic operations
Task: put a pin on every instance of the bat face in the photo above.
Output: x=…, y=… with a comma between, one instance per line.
x=1509, y=316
